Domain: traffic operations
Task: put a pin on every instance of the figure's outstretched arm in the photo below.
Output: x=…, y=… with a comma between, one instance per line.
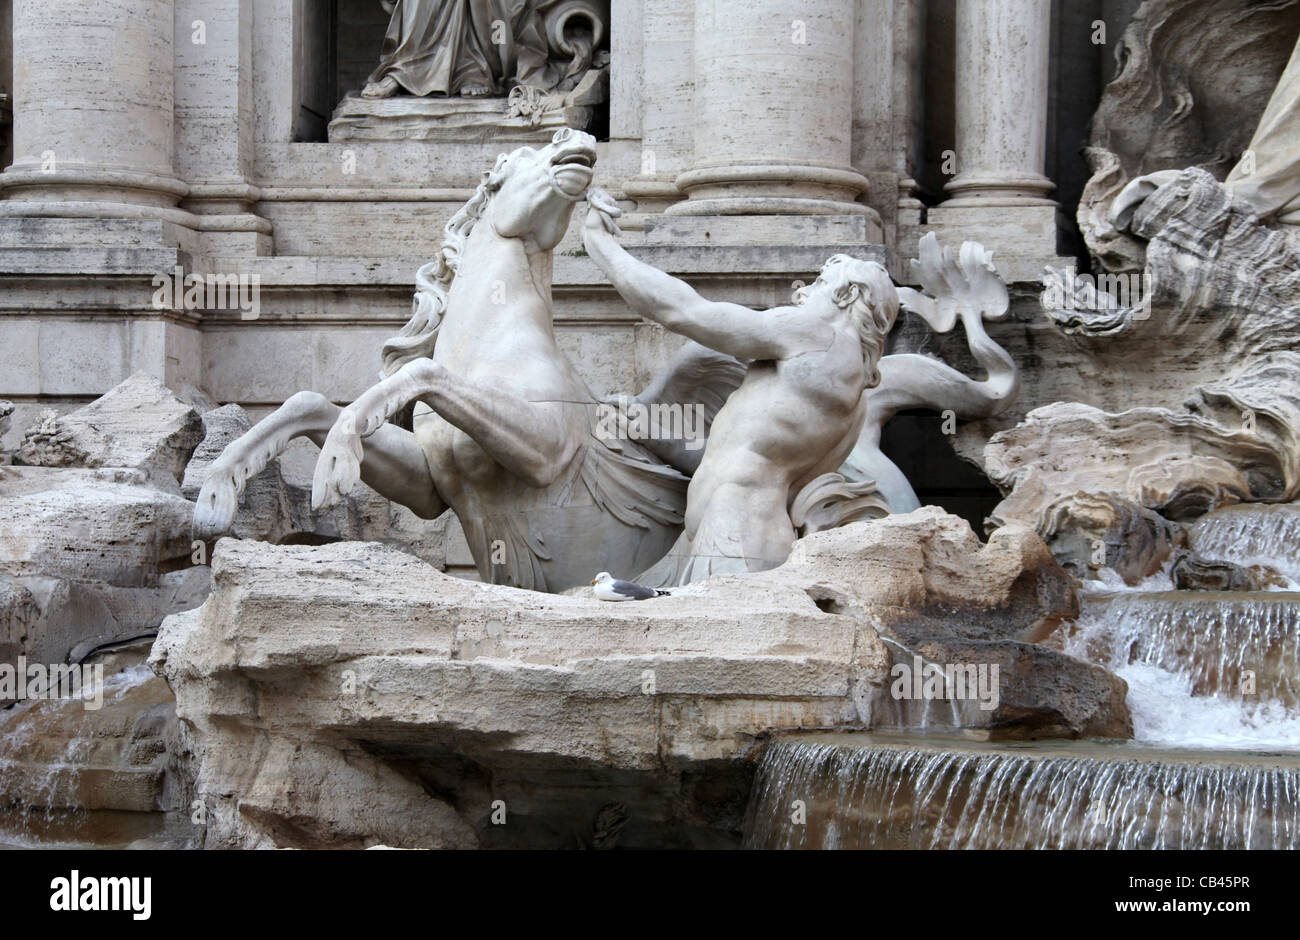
x=729, y=328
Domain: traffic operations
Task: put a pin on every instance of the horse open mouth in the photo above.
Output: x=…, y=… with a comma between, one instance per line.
x=572, y=171
x=575, y=158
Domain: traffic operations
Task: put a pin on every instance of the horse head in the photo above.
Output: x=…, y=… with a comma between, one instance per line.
x=536, y=189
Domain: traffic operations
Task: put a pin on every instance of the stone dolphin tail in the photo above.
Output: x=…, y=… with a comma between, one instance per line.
x=503, y=431
x=965, y=288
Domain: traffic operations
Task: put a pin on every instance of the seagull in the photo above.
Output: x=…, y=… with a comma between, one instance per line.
x=608, y=588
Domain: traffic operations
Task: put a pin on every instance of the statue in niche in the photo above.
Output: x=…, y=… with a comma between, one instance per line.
x=460, y=48
x=466, y=69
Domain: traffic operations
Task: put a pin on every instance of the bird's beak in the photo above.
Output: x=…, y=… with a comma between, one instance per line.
x=593, y=580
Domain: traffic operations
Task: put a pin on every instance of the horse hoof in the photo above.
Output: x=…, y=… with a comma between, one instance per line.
x=216, y=505
x=338, y=469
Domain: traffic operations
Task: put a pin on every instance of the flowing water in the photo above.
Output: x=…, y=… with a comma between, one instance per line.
x=1204, y=669
x=1252, y=534
x=1214, y=690
x=1207, y=668
x=1229, y=646
x=872, y=791
x=89, y=778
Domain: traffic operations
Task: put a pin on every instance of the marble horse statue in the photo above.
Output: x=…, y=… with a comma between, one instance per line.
x=503, y=430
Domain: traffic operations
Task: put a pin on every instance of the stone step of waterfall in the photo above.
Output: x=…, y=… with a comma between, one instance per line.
x=79, y=787
x=125, y=728
x=871, y=791
x=1243, y=646
x=1252, y=534
x=97, y=829
x=88, y=755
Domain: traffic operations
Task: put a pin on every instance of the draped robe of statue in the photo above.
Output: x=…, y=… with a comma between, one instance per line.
x=447, y=47
x=1268, y=175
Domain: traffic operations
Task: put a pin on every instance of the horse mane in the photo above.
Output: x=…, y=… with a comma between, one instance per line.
x=418, y=337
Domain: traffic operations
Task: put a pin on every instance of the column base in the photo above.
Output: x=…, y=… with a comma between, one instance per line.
x=986, y=189
x=1023, y=238
x=73, y=183
x=652, y=195
x=772, y=189
x=77, y=192
x=768, y=205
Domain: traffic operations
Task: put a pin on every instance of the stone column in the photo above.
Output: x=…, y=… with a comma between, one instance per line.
x=1001, y=89
x=93, y=103
x=91, y=199
x=666, y=91
x=773, y=110
x=214, y=124
x=999, y=195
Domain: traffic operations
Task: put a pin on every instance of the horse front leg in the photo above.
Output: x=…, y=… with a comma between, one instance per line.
x=531, y=440
x=393, y=464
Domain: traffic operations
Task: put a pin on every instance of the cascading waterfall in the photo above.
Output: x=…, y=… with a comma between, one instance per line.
x=1203, y=669
x=1208, y=669
x=866, y=792
x=1223, y=642
x=1252, y=534
x=1214, y=681
x=72, y=776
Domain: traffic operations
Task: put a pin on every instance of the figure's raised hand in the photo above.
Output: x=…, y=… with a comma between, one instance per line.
x=602, y=211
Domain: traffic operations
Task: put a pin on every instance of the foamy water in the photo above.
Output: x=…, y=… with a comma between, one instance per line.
x=1183, y=653
x=1166, y=713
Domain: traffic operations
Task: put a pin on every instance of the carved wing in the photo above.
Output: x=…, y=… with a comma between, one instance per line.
x=695, y=375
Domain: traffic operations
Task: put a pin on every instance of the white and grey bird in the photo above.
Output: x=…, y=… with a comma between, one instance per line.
x=609, y=588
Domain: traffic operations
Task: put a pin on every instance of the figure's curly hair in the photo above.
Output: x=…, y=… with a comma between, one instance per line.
x=418, y=337
x=874, y=303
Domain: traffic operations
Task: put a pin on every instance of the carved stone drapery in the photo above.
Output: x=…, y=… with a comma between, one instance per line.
x=466, y=70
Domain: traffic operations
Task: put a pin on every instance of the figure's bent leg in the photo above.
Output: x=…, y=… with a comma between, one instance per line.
x=394, y=463
x=530, y=440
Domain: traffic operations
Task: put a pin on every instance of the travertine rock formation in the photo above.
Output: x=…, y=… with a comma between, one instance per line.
x=139, y=424
x=348, y=695
x=1191, y=572
x=1088, y=532
x=1220, y=325
x=95, y=530
x=100, y=555
x=936, y=592
x=19, y=615
x=95, y=544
